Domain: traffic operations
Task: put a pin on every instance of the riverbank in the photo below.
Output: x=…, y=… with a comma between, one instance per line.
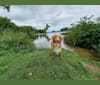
x=85, y=53
x=39, y=64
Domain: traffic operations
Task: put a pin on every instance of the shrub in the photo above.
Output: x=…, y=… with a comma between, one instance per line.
x=85, y=34
x=10, y=39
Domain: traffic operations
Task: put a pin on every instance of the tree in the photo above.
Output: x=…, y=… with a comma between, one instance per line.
x=47, y=26
x=98, y=20
x=7, y=7
x=64, y=29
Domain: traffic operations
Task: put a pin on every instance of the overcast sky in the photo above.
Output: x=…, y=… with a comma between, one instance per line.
x=58, y=16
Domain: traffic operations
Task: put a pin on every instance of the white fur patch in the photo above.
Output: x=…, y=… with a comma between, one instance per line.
x=57, y=50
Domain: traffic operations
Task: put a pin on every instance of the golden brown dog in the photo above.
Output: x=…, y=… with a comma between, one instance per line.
x=56, y=45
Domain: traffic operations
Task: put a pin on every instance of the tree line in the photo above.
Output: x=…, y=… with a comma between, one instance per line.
x=86, y=33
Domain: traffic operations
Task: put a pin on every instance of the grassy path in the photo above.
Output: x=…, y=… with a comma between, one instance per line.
x=39, y=64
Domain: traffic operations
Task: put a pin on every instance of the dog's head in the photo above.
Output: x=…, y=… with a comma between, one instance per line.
x=57, y=39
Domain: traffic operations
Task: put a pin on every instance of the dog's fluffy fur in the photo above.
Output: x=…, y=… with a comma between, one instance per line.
x=56, y=45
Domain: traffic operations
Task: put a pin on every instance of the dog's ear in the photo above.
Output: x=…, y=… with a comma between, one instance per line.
x=60, y=38
x=53, y=37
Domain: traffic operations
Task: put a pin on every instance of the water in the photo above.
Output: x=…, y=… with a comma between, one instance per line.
x=44, y=40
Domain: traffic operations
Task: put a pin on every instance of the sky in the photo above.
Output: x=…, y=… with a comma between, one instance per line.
x=57, y=16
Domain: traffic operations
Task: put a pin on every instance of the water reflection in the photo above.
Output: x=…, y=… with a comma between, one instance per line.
x=44, y=40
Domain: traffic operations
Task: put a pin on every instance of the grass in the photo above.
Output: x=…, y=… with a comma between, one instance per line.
x=20, y=60
x=41, y=65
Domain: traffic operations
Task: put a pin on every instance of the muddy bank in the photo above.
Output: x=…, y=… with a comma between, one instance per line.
x=85, y=53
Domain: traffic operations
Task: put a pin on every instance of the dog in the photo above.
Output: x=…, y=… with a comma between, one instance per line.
x=56, y=45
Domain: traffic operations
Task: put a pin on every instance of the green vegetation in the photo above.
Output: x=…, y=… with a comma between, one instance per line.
x=39, y=64
x=6, y=23
x=20, y=60
x=85, y=34
x=64, y=29
x=9, y=39
x=12, y=35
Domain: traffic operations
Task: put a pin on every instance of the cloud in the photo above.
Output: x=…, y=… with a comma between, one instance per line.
x=58, y=16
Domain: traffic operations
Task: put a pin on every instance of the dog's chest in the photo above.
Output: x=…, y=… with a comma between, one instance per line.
x=57, y=50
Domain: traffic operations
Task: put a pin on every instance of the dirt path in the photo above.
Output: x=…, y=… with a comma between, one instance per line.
x=94, y=69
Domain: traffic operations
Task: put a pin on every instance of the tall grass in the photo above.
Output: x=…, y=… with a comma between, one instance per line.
x=10, y=39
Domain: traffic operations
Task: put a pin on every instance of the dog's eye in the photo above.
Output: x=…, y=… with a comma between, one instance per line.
x=54, y=41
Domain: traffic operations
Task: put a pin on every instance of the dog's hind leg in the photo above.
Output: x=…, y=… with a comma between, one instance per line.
x=53, y=53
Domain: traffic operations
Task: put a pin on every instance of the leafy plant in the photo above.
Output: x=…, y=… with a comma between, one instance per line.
x=84, y=34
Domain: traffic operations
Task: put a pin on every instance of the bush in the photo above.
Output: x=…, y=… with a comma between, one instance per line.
x=10, y=39
x=85, y=34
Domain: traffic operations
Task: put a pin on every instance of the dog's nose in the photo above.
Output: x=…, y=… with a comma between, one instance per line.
x=57, y=41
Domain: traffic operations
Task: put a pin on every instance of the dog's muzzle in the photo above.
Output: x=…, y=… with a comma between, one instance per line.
x=57, y=42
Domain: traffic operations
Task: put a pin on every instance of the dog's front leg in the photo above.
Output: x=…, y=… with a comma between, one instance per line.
x=60, y=53
x=52, y=48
